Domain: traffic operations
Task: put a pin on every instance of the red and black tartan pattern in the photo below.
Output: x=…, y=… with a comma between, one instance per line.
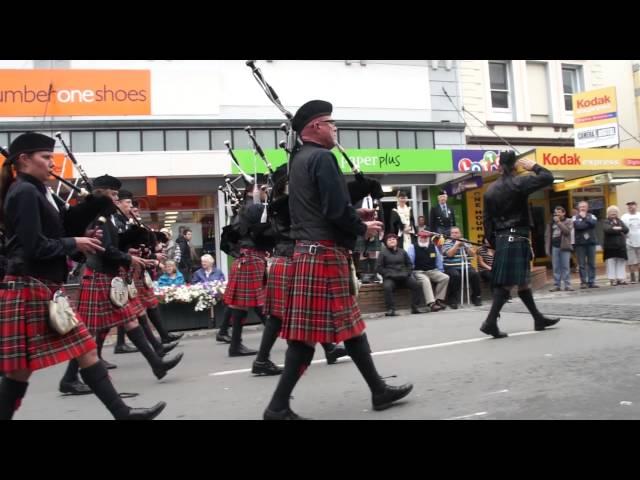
x=94, y=304
x=26, y=340
x=146, y=295
x=277, y=287
x=320, y=307
x=246, y=286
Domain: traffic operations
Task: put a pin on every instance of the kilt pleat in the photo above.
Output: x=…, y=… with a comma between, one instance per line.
x=511, y=263
x=95, y=306
x=320, y=307
x=26, y=339
x=277, y=287
x=246, y=286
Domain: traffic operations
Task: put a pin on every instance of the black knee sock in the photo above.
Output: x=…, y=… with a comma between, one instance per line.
x=154, y=317
x=120, y=341
x=226, y=321
x=360, y=352
x=296, y=361
x=269, y=337
x=500, y=297
x=136, y=335
x=261, y=316
x=527, y=298
x=328, y=347
x=148, y=333
x=71, y=373
x=11, y=394
x=101, y=336
x=236, y=334
x=97, y=378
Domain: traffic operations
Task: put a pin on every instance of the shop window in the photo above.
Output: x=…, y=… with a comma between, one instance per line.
x=199, y=140
x=129, y=141
x=348, y=138
x=82, y=142
x=218, y=138
x=175, y=140
x=406, y=139
x=425, y=139
x=368, y=138
x=571, y=83
x=387, y=139
x=153, y=140
x=106, y=142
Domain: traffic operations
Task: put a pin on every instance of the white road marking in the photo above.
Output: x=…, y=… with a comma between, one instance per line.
x=626, y=403
x=477, y=414
x=389, y=352
x=506, y=390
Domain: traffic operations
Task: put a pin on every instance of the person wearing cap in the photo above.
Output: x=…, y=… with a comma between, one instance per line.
x=95, y=304
x=428, y=267
x=632, y=220
x=321, y=305
x=37, y=252
x=441, y=217
x=456, y=254
x=507, y=225
x=394, y=265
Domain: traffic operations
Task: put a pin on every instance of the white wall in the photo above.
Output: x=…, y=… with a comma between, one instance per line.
x=226, y=88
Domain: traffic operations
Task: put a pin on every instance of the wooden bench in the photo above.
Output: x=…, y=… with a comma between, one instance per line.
x=371, y=297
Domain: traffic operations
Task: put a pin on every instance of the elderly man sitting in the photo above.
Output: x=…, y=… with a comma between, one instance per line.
x=427, y=267
x=208, y=273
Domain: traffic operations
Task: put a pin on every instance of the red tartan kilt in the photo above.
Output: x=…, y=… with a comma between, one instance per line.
x=246, y=286
x=277, y=287
x=95, y=306
x=136, y=305
x=320, y=307
x=146, y=295
x=26, y=340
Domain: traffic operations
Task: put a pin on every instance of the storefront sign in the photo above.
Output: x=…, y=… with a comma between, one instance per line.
x=368, y=161
x=52, y=93
x=595, y=118
x=475, y=161
x=588, y=159
x=582, y=182
x=456, y=188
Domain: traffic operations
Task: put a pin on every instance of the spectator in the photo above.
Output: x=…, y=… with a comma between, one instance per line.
x=584, y=224
x=185, y=253
x=485, y=256
x=171, y=277
x=615, y=246
x=557, y=241
x=441, y=217
x=573, y=262
x=454, y=263
x=402, y=222
x=395, y=267
x=427, y=264
x=208, y=273
x=632, y=221
x=422, y=223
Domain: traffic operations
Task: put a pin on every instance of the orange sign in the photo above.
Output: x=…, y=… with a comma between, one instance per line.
x=38, y=93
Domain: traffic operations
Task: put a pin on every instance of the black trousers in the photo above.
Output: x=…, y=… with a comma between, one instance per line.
x=390, y=285
x=486, y=277
x=455, y=279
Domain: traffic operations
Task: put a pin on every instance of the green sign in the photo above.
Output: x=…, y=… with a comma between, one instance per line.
x=369, y=161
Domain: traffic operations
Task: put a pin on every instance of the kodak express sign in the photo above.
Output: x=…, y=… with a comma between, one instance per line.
x=588, y=159
x=34, y=93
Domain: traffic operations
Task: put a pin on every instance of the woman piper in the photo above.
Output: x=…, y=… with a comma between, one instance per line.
x=37, y=268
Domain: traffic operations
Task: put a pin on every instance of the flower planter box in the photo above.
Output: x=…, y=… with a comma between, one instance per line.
x=182, y=316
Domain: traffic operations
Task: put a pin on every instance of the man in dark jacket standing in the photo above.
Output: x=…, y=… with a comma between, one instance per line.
x=507, y=225
x=186, y=261
x=584, y=224
x=441, y=217
x=396, y=269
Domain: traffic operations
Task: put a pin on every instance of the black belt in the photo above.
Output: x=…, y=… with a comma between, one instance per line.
x=12, y=285
x=317, y=249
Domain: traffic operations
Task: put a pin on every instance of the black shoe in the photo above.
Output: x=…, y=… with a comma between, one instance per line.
x=161, y=372
x=74, y=388
x=286, y=414
x=419, y=310
x=443, y=305
x=265, y=368
x=383, y=400
x=144, y=413
x=477, y=302
x=593, y=285
x=223, y=337
x=241, y=351
x=454, y=306
x=543, y=322
x=492, y=330
x=390, y=313
x=583, y=286
x=172, y=337
x=109, y=366
x=125, y=349
x=167, y=348
x=335, y=354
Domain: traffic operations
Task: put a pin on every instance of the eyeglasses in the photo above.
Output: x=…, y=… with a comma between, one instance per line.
x=332, y=122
